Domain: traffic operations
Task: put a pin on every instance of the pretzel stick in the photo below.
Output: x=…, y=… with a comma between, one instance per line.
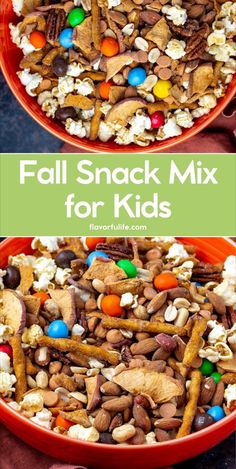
x=19, y=367
x=96, y=29
x=190, y=409
x=138, y=325
x=95, y=121
x=194, y=344
x=68, y=345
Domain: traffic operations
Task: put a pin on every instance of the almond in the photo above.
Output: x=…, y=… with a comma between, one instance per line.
x=167, y=424
x=110, y=389
x=207, y=390
x=219, y=394
x=141, y=418
x=118, y=404
x=102, y=420
x=195, y=11
x=144, y=346
x=138, y=438
x=157, y=302
x=117, y=421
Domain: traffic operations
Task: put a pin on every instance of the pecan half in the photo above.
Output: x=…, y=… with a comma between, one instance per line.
x=196, y=44
x=55, y=23
x=204, y=272
x=187, y=30
x=115, y=251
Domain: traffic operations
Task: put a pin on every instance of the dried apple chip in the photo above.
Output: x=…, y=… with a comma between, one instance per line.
x=100, y=270
x=159, y=34
x=77, y=100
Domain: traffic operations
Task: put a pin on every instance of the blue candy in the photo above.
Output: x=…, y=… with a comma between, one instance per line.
x=58, y=329
x=216, y=412
x=136, y=76
x=65, y=38
x=95, y=254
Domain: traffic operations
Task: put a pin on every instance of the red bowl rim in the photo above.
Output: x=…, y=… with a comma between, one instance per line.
x=88, y=146
x=229, y=419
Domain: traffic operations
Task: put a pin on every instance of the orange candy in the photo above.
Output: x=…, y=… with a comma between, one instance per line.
x=111, y=305
x=109, y=47
x=92, y=242
x=43, y=296
x=37, y=39
x=104, y=89
x=61, y=422
x=165, y=280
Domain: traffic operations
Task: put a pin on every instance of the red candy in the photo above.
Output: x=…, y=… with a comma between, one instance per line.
x=157, y=119
x=6, y=349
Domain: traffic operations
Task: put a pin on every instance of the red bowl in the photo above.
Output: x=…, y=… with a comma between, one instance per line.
x=10, y=57
x=101, y=456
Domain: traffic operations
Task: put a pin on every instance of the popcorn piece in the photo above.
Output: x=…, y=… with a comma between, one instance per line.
x=43, y=283
x=7, y=382
x=113, y=3
x=225, y=353
x=74, y=69
x=5, y=363
x=50, y=106
x=199, y=112
x=30, y=336
x=62, y=275
x=21, y=259
x=218, y=333
x=229, y=272
x=231, y=335
x=51, y=243
x=32, y=401
x=5, y=333
x=43, y=418
x=151, y=439
x=84, y=87
x=104, y=132
x=184, y=118
x=184, y=271
x=77, y=329
x=210, y=353
x=17, y=6
x=170, y=129
x=224, y=52
x=216, y=38
x=46, y=266
x=65, y=85
x=21, y=41
x=230, y=396
x=86, y=434
x=2, y=273
x=75, y=128
x=177, y=251
x=207, y=101
x=29, y=80
x=126, y=299
x=176, y=14
x=228, y=68
x=139, y=123
x=175, y=49
x=226, y=291
x=86, y=114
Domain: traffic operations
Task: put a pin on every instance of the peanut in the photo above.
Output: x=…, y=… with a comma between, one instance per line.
x=123, y=433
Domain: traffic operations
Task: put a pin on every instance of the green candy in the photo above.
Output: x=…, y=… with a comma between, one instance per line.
x=216, y=376
x=207, y=367
x=76, y=16
x=128, y=267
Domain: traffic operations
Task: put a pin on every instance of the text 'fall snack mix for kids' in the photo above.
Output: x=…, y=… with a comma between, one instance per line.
x=129, y=70
x=118, y=340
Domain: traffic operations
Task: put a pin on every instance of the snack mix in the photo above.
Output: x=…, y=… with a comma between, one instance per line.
x=118, y=340
x=134, y=71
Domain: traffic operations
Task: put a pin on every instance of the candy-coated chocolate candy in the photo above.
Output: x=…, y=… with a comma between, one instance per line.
x=37, y=39
x=216, y=376
x=157, y=119
x=64, y=258
x=76, y=16
x=94, y=254
x=136, y=76
x=65, y=38
x=12, y=277
x=104, y=89
x=91, y=243
x=109, y=47
x=42, y=296
x=165, y=281
x=206, y=367
x=58, y=329
x=202, y=421
x=110, y=305
x=128, y=267
x=216, y=412
x=59, y=66
x=5, y=348
x=162, y=89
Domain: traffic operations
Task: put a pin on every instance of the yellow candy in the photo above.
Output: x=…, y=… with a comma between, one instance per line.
x=162, y=89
